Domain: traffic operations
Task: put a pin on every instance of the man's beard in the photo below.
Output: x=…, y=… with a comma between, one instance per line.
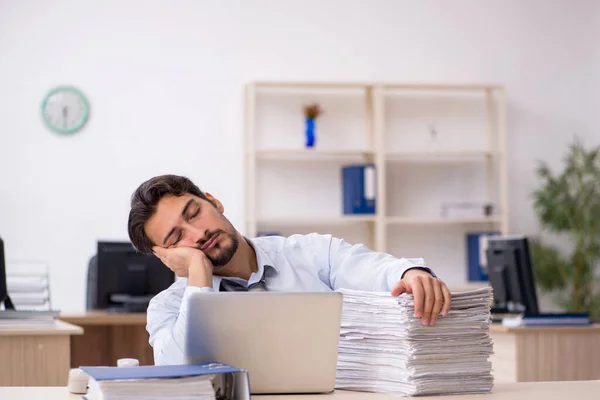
x=225, y=254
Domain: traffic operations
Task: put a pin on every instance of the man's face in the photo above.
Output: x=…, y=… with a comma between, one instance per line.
x=189, y=221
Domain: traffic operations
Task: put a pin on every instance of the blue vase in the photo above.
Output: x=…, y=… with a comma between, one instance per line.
x=310, y=132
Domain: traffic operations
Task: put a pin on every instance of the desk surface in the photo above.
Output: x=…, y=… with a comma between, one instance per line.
x=104, y=318
x=58, y=328
x=582, y=390
x=498, y=328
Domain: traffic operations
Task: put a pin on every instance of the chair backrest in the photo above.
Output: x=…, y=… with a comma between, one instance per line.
x=28, y=284
x=91, y=301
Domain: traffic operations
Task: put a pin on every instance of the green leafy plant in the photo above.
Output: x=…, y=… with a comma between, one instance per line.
x=568, y=203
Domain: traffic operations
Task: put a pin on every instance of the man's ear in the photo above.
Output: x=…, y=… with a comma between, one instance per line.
x=218, y=205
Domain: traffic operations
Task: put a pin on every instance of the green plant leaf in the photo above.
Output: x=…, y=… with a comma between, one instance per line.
x=550, y=267
x=568, y=201
x=593, y=308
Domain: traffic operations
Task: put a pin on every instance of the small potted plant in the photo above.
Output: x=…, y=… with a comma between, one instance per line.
x=311, y=113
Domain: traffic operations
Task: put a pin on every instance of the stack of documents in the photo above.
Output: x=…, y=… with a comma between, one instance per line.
x=12, y=318
x=178, y=382
x=384, y=348
x=28, y=285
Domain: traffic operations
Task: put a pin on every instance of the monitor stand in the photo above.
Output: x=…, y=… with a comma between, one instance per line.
x=498, y=313
x=8, y=304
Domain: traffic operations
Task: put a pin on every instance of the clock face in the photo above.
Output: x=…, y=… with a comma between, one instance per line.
x=65, y=110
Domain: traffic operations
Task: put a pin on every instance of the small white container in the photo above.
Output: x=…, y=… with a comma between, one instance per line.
x=78, y=381
x=128, y=362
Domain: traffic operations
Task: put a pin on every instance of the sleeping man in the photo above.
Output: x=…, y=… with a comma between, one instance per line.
x=185, y=227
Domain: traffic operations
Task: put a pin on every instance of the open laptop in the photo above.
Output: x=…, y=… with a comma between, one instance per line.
x=287, y=342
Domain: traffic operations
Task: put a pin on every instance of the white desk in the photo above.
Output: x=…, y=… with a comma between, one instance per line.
x=580, y=390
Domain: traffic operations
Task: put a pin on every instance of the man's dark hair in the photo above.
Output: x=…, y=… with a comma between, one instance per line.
x=145, y=199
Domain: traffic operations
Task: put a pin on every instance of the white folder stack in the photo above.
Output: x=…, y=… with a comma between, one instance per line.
x=384, y=348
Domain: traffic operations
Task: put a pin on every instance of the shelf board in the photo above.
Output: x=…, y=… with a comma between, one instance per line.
x=388, y=86
x=441, y=156
x=349, y=219
x=311, y=85
x=442, y=87
x=441, y=220
x=310, y=154
x=315, y=220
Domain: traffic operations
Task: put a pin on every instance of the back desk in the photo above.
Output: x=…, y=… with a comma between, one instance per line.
x=537, y=354
x=108, y=337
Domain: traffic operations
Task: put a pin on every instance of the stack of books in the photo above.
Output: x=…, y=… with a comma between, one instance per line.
x=20, y=319
x=206, y=381
x=385, y=348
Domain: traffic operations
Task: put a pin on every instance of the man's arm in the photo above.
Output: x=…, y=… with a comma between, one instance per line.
x=167, y=313
x=357, y=267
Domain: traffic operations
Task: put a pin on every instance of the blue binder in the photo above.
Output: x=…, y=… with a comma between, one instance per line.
x=240, y=382
x=476, y=270
x=359, y=189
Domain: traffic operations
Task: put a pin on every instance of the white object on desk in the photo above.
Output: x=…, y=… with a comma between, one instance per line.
x=128, y=362
x=78, y=381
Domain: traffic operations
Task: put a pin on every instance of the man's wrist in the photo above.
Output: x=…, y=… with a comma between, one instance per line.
x=199, y=275
x=419, y=268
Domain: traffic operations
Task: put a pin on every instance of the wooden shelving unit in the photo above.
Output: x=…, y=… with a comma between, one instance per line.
x=383, y=116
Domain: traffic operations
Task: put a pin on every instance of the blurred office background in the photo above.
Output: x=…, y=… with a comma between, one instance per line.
x=165, y=84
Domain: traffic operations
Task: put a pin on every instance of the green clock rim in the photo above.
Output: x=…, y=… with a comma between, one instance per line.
x=84, y=118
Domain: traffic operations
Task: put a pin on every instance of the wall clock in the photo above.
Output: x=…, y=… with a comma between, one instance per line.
x=65, y=110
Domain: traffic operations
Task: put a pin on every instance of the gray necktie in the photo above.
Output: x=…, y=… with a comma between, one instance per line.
x=231, y=286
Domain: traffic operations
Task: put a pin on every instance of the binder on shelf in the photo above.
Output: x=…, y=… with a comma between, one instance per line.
x=476, y=259
x=359, y=189
x=204, y=380
x=268, y=233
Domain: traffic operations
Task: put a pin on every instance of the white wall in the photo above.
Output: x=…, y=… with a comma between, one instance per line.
x=165, y=84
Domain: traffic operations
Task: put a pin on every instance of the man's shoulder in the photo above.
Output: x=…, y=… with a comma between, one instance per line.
x=278, y=243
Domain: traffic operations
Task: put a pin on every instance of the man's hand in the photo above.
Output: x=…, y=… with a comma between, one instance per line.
x=187, y=262
x=431, y=295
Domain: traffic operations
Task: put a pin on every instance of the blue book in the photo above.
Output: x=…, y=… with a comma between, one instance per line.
x=476, y=260
x=228, y=379
x=359, y=189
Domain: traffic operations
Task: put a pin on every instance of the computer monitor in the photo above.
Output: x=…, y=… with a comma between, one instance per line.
x=4, y=298
x=121, y=279
x=510, y=274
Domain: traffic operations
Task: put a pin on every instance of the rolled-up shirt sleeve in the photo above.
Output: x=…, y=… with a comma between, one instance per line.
x=166, y=320
x=354, y=266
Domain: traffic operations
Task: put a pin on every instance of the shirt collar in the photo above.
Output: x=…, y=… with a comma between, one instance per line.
x=263, y=261
x=262, y=258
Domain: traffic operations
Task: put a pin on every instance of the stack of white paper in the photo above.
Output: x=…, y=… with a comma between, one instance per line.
x=184, y=388
x=384, y=348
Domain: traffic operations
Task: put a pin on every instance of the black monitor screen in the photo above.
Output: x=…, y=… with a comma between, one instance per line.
x=123, y=272
x=3, y=289
x=4, y=298
x=511, y=275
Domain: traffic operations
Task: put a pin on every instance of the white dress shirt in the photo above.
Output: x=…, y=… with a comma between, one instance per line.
x=299, y=263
